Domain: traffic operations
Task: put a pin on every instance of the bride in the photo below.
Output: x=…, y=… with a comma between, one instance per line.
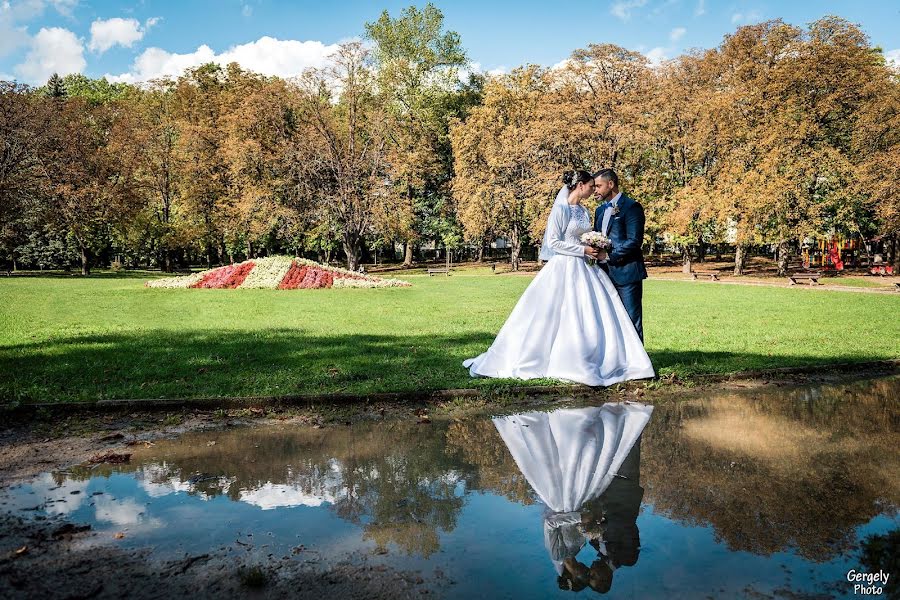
x=570, y=323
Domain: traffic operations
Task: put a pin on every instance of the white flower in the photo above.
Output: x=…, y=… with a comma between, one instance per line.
x=267, y=272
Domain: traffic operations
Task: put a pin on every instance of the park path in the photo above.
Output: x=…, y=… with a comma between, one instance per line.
x=821, y=287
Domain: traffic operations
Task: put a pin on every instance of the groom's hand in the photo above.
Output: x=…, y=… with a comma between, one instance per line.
x=591, y=252
x=602, y=255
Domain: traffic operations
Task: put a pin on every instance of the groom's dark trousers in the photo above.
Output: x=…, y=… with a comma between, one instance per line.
x=625, y=265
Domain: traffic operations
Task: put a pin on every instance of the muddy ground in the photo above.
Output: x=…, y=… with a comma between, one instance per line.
x=53, y=558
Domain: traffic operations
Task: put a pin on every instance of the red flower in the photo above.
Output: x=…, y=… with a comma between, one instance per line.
x=293, y=277
x=228, y=277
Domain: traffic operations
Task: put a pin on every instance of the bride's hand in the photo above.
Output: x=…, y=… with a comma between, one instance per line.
x=591, y=252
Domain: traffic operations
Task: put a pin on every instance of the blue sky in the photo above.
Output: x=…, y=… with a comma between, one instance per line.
x=136, y=40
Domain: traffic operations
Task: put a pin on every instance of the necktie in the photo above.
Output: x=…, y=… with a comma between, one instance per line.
x=607, y=217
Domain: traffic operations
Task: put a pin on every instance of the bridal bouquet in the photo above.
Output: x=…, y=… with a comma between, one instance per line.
x=597, y=240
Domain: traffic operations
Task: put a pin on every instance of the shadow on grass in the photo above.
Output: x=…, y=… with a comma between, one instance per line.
x=125, y=274
x=203, y=363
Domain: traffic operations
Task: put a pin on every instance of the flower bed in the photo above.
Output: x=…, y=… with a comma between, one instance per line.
x=277, y=272
x=228, y=277
x=267, y=273
x=184, y=281
x=355, y=282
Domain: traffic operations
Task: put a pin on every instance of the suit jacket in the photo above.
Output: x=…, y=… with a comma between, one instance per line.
x=626, y=232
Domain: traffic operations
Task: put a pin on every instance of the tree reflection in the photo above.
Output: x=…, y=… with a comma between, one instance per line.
x=772, y=470
x=769, y=470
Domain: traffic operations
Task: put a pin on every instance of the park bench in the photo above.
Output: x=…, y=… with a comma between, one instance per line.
x=812, y=278
x=713, y=276
x=439, y=271
x=897, y=285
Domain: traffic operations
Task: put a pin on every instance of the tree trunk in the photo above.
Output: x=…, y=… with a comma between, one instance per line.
x=515, y=247
x=352, y=248
x=686, y=259
x=782, y=258
x=408, y=253
x=740, y=259
x=480, y=251
x=701, y=251
x=85, y=261
x=718, y=252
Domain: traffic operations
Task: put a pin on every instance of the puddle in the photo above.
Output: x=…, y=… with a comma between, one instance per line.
x=761, y=493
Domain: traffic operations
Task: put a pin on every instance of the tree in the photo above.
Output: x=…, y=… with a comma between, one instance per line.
x=417, y=64
x=507, y=160
x=876, y=151
x=89, y=192
x=56, y=87
x=23, y=119
x=147, y=138
x=259, y=127
x=340, y=157
x=204, y=175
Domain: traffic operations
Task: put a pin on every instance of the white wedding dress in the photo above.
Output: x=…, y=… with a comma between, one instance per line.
x=569, y=323
x=570, y=456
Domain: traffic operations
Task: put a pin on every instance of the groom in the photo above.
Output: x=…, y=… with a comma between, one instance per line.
x=621, y=219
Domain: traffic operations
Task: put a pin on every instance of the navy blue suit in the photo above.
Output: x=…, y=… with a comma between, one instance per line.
x=625, y=265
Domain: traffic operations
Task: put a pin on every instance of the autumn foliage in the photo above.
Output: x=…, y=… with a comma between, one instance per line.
x=777, y=136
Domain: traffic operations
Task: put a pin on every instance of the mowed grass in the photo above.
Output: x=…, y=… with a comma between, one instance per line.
x=65, y=339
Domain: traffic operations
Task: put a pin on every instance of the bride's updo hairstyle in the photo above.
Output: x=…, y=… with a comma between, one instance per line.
x=573, y=178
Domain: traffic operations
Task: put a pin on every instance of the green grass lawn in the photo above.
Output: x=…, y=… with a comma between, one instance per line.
x=74, y=339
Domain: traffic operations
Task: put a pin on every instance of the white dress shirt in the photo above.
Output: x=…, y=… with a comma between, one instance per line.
x=607, y=214
x=607, y=217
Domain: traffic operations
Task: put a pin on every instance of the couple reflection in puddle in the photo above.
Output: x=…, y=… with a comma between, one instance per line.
x=584, y=465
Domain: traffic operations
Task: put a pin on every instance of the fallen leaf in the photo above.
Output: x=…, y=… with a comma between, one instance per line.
x=119, y=535
x=21, y=551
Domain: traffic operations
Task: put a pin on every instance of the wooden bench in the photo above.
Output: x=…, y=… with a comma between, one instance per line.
x=897, y=285
x=812, y=278
x=713, y=276
x=439, y=271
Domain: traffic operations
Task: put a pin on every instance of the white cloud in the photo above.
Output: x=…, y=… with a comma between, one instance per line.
x=700, y=10
x=114, y=32
x=53, y=50
x=657, y=56
x=151, y=22
x=893, y=58
x=247, y=10
x=267, y=55
x=14, y=15
x=64, y=7
x=742, y=18
x=622, y=9
x=677, y=33
x=275, y=495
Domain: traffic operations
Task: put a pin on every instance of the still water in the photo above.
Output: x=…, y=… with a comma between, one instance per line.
x=758, y=493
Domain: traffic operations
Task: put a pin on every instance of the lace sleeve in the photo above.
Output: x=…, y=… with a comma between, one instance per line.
x=556, y=225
